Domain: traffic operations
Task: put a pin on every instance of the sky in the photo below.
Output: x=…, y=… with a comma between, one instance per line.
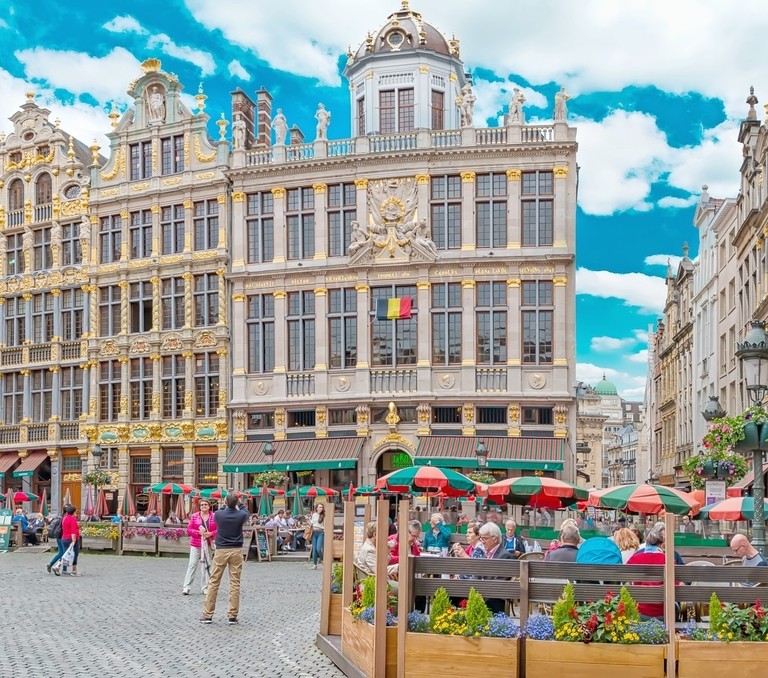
x=658, y=91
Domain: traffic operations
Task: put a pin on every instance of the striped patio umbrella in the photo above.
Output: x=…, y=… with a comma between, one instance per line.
x=181, y=508
x=734, y=508
x=538, y=492
x=152, y=505
x=67, y=498
x=20, y=497
x=255, y=492
x=2, y=497
x=102, y=509
x=44, y=502
x=312, y=491
x=214, y=493
x=89, y=503
x=431, y=479
x=643, y=498
x=129, y=505
x=169, y=488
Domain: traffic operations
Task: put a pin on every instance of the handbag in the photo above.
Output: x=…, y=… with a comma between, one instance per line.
x=308, y=533
x=69, y=556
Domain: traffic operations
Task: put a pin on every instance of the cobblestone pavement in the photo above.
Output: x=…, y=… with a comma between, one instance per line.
x=125, y=616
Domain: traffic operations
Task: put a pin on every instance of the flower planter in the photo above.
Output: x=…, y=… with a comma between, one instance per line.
x=357, y=645
x=334, y=615
x=140, y=544
x=180, y=545
x=428, y=655
x=338, y=549
x=700, y=658
x=755, y=436
x=548, y=658
x=99, y=544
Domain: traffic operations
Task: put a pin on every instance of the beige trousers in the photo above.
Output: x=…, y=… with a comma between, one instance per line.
x=231, y=559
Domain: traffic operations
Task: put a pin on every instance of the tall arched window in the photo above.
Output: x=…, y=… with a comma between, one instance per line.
x=43, y=189
x=15, y=195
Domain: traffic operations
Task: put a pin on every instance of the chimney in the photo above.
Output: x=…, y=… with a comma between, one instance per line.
x=243, y=106
x=297, y=136
x=264, y=121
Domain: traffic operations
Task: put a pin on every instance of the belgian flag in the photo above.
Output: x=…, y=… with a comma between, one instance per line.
x=393, y=309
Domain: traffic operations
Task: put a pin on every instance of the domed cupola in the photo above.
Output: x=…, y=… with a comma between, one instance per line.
x=405, y=76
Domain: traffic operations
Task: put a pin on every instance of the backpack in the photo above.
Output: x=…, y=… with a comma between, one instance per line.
x=54, y=531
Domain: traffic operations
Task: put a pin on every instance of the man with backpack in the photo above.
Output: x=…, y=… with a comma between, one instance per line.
x=54, y=532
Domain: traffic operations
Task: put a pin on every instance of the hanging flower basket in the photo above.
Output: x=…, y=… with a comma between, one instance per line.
x=741, y=432
x=715, y=465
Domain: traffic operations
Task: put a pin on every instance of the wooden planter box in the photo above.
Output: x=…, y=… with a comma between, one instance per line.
x=334, y=616
x=180, y=545
x=428, y=655
x=140, y=544
x=696, y=659
x=357, y=645
x=99, y=544
x=548, y=658
x=338, y=549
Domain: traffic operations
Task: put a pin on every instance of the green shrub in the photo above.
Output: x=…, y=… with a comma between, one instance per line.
x=368, y=594
x=440, y=605
x=477, y=613
x=715, y=614
x=561, y=611
x=630, y=606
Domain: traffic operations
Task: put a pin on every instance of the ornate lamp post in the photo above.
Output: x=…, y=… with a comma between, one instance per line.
x=713, y=410
x=482, y=455
x=753, y=354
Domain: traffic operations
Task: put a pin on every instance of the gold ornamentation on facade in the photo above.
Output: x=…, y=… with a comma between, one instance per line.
x=238, y=196
x=172, y=181
x=361, y=288
x=361, y=184
x=468, y=284
x=29, y=159
x=155, y=401
x=560, y=282
x=117, y=168
x=469, y=413
x=143, y=186
x=319, y=188
x=393, y=439
x=186, y=150
x=320, y=414
x=560, y=172
x=363, y=412
x=514, y=282
x=201, y=157
x=238, y=297
x=280, y=295
x=467, y=177
x=205, y=339
x=561, y=415
x=278, y=193
x=392, y=417
x=187, y=400
x=422, y=179
x=514, y=174
x=204, y=176
x=514, y=413
x=423, y=413
x=279, y=417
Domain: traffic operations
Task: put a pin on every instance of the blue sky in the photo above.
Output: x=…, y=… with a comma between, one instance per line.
x=658, y=92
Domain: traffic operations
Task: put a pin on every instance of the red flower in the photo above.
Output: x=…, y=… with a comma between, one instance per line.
x=573, y=614
x=463, y=604
x=609, y=596
x=608, y=618
x=620, y=609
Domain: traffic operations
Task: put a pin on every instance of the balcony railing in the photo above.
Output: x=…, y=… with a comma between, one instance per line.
x=37, y=433
x=42, y=213
x=300, y=385
x=491, y=379
x=40, y=353
x=70, y=350
x=9, y=435
x=393, y=381
x=11, y=356
x=395, y=143
x=69, y=431
x=14, y=218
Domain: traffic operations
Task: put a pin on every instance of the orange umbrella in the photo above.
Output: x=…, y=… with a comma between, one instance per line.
x=101, y=503
x=699, y=496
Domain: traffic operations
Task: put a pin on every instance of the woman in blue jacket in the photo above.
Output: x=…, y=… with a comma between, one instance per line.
x=439, y=536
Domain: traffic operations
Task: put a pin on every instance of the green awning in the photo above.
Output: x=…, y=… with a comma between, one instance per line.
x=545, y=454
x=295, y=455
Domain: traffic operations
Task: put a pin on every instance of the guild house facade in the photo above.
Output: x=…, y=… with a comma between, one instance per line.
x=200, y=292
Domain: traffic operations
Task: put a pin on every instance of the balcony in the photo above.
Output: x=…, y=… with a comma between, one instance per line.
x=493, y=379
x=11, y=356
x=14, y=218
x=42, y=213
x=393, y=381
x=409, y=141
x=70, y=350
x=40, y=353
x=300, y=385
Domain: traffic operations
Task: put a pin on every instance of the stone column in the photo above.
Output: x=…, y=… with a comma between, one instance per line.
x=361, y=185
x=321, y=222
x=124, y=307
x=514, y=347
x=57, y=324
x=321, y=341
x=157, y=387
x=2, y=321
x=468, y=336
x=239, y=244
x=514, y=222
x=222, y=352
x=125, y=234
x=223, y=297
x=189, y=307
x=27, y=297
x=422, y=182
x=423, y=344
x=562, y=206
x=560, y=335
x=189, y=464
x=156, y=464
x=156, y=230
x=125, y=388
x=278, y=195
x=156, y=304
x=189, y=383
x=279, y=386
x=56, y=393
x=468, y=235
x=363, y=336
x=188, y=225
x=239, y=345
x=53, y=455
x=223, y=221
x=27, y=397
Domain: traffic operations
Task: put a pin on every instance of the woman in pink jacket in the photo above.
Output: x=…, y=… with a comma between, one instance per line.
x=201, y=531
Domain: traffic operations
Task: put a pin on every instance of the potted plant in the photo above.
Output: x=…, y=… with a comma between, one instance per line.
x=334, y=622
x=593, y=635
x=715, y=464
x=100, y=536
x=737, y=635
x=172, y=540
x=438, y=643
x=140, y=538
x=357, y=631
x=269, y=478
x=741, y=432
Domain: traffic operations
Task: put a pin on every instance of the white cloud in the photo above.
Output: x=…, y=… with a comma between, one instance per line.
x=3, y=24
x=493, y=99
x=125, y=24
x=203, y=60
x=630, y=386
x=647, y=292
x=620, y=158
x=663, y=260
x=671, y=202
x=640, y=357
x=611, y=343
x=237, y=70
x=105, y=78
x=641, y=336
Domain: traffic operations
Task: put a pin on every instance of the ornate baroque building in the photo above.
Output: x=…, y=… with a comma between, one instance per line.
x=474, y=225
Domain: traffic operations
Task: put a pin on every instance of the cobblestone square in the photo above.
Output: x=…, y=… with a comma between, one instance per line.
x=126, y=617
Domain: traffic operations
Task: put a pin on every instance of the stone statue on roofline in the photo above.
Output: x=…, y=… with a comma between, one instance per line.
x=466, y=101
x=323, y=117
x=561, y=108
x=280, y=125
x=238, y=133
x=516, y=116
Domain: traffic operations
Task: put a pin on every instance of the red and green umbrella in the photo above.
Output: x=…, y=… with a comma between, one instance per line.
x=537, y=492
x=129, y=505
x=213, y=493
x=169, y=488
x=102, y=509
x=20, y=497
x=429, y=479
x=88, y=509
x=312, y=491
x=734, y=508
x=643, y=498
x=255, y=492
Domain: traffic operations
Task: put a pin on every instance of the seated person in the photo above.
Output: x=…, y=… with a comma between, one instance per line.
x=365, y=559
x=474, y=548
x=172, y=519
x=283, y=531
x=511, y=541
x=29, y=536
x=653, y=554
x=414, y=533
x=750, y=556
x=570, y=538
x=438, y=537
x=491, y=537
x=661, y=527
x=154, y=518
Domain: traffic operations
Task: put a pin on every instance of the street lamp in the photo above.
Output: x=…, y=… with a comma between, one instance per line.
x=269, y=451
x=97, y=452
x=713, y=410
x=482, y=454
x=753, y=354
